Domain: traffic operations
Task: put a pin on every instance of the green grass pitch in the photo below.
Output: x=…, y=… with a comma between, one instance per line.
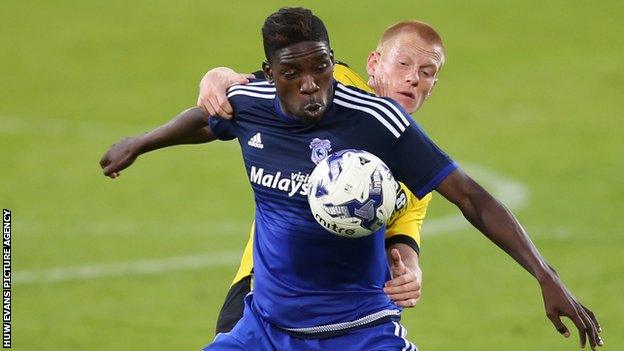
x=531, y=96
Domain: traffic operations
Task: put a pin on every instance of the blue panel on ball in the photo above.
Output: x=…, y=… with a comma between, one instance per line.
x=321, y=190
x=366, y=211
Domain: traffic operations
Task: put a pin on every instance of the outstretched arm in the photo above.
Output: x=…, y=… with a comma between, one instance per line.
x=189, y=127
x=501, y=227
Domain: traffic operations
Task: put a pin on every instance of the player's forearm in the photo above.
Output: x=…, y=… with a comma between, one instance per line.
x=497, y=223
x=189, y=127
x=408, y=255
x=494, y=220
x=404, y=288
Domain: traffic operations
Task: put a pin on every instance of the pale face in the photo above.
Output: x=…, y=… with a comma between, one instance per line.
x=405, y=69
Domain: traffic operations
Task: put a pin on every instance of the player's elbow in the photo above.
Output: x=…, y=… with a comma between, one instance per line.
x=465, y=193
x=460, y=189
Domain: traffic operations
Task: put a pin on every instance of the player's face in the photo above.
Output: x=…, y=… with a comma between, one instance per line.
x=303, y=79
x=405, y=69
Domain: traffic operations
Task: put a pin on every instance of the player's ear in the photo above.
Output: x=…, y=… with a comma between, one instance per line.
x=268, y=72
x=372, y=62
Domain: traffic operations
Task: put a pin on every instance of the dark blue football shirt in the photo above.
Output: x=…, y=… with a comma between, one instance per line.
x=308, y=280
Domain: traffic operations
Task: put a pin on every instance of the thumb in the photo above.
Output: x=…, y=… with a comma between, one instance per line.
x=556, y=321
x=398, y=267
x=108, y=170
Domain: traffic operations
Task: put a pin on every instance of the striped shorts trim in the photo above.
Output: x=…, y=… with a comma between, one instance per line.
x=400, y=331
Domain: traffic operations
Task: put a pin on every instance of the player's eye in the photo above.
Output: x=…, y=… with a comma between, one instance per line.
x=403, y=63
x=290, y=74
x=426, y=73
x=322, y=67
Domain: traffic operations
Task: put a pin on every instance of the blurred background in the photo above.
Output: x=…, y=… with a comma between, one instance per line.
x=530, y=102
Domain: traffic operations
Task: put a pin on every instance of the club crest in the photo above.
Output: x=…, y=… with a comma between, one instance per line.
x=320, y=149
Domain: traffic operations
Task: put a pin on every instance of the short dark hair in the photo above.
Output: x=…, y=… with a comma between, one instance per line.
x=291, y=25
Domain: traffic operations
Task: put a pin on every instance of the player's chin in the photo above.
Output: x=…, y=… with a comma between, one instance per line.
x=409, y=104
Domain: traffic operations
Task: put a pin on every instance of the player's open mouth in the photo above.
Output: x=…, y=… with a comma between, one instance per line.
x=313, y=108
x=407, y=94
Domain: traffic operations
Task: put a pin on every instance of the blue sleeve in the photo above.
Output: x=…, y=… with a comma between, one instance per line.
x=418, y=162
x=412, y=156
x=224, y=129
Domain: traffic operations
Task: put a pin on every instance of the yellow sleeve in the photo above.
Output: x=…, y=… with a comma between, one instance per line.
x=246, y=263
x=347, y=76
x=408, y=216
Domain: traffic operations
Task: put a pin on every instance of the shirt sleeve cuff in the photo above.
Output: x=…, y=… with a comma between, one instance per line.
x=403, y=239
x=436, y=180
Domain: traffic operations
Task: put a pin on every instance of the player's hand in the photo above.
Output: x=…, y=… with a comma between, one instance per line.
x=558, y=302
x=118, y=157
x=404, y=288
x=212, y=88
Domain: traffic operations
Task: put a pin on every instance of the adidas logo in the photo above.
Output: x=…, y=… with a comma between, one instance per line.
x=256, y=141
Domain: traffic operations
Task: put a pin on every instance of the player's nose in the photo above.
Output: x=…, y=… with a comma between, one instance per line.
x=412, y=78
x=308, y=86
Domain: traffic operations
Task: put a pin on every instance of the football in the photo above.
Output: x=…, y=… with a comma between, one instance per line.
x=352, y=193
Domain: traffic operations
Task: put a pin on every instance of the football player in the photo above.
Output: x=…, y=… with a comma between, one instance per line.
x=405, y=67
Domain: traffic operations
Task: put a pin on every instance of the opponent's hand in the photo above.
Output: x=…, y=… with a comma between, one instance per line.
x=558, y=302
x=118, y=157
x=404, y=288
x=212, y=90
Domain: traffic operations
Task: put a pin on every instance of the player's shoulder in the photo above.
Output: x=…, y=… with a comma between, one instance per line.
x=255, y=97
x=379, y=110
x=255, y=89
x=347, y=76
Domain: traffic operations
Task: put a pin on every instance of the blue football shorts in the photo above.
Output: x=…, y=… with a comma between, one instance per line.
x=254, y=333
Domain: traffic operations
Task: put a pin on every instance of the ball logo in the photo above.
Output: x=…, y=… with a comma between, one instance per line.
x=333, y=226
x=320, y=149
